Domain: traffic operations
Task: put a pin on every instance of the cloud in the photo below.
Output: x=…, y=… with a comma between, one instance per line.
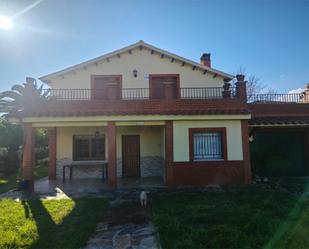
x=298, y=90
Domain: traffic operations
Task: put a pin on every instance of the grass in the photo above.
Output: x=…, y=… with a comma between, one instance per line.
x=65, y=223
x=232, y=220
x=10, y=182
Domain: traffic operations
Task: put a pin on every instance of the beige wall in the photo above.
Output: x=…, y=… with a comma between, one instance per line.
x=150, y=139
x=65, y=139
x=145, y=63
x=233, y=133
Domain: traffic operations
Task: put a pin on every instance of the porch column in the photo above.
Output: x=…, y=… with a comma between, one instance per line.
x=52, y=141
x=246, y=151
x=169, y=152
x=28, y=155
x=112, y=155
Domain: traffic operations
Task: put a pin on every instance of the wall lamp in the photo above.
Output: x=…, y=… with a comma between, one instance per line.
x=135, y=73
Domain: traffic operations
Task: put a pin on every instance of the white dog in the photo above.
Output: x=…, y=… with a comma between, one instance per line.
x=143, y=199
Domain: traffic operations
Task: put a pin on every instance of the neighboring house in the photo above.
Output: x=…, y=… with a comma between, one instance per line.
x=149, y=113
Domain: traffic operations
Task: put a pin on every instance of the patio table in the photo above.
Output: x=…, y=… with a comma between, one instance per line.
x=71, y=165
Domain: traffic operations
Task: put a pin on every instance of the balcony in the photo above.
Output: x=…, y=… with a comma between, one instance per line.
x=139, y=101
x=194, y=93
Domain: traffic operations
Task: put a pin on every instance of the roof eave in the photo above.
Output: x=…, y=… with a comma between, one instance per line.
x=46, y=78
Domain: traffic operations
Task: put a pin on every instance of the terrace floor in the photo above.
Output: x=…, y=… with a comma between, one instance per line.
x=44, y=186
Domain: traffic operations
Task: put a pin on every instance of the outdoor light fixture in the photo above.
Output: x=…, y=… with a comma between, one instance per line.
x=135, y=73
x=97, y=134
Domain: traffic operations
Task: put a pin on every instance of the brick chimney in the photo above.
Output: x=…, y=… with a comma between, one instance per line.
x=205, y=59
x=241, y=88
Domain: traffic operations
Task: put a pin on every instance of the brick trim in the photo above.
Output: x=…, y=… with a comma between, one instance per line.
x=28, y=155
x=208, y=172
x=135, y=107
x=222, y=130
x=169, y=152
x=112, y=154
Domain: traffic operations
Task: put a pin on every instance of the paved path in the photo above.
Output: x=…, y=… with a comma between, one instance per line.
x=126, y=225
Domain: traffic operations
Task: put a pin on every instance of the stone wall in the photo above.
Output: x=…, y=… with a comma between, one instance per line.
x=79, y=172
x=150, y=166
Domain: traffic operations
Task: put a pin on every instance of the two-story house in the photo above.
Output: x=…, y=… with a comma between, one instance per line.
x=147, y=113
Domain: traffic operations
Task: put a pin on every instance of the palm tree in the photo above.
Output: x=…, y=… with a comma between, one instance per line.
x=14, y=100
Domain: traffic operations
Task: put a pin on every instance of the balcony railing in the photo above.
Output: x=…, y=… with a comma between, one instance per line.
x=140, y=93
x=278, y=98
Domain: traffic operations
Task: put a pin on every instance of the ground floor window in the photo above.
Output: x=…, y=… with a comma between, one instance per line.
x=207, y=144
x=88, y=148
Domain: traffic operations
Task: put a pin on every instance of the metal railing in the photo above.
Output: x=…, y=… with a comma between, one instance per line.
x=206, y=93
x=278, y=98
x=135, y=93
x=141, y=93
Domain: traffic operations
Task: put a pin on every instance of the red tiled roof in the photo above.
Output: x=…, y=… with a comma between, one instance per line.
x=279, y=121
x=149, y=107
x=141, y=112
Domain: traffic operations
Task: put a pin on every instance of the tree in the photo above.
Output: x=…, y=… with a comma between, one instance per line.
x=14, y=100
x=11, y=136
x=11, y=139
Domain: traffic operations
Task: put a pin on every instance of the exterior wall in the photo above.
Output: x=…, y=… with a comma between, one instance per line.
x=150, y=145
x=233, y=133
x=145, y=63
x=65, y=151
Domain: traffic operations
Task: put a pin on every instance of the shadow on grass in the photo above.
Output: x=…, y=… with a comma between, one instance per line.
x=72, y=231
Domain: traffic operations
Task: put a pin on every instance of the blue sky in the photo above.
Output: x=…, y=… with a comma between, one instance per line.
x=268, y=38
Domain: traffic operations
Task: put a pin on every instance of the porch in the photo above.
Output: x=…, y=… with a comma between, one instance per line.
x=95, y=185
x=135, y=153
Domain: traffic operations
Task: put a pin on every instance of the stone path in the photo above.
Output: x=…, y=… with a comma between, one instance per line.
x=122, y=236
x=126, y=225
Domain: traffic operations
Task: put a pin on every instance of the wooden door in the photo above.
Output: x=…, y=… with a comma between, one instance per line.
x=100, y=83
x=130, y=155
x=157, y=86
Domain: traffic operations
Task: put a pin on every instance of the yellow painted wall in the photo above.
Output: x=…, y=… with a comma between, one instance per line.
x=65, y=139
x=233, y=133
x=150, y=139
x=145, y=64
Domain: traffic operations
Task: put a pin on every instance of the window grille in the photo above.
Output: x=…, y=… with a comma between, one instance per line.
x=207, y=146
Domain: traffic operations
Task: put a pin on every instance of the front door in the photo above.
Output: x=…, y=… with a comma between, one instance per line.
x=130, y=156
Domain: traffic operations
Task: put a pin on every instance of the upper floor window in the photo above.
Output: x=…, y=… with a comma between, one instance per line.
x=159, y=82
x=207, y=144
x=106, y=86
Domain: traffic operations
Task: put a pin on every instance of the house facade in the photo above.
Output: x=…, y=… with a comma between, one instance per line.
x=147, y=113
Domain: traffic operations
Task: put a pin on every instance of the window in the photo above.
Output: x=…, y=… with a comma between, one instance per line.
x=88, y=148
x=207, y=144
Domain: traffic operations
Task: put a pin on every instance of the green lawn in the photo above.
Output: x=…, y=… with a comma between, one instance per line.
x=50, y=223
x=10, y=182
x=232, y=220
